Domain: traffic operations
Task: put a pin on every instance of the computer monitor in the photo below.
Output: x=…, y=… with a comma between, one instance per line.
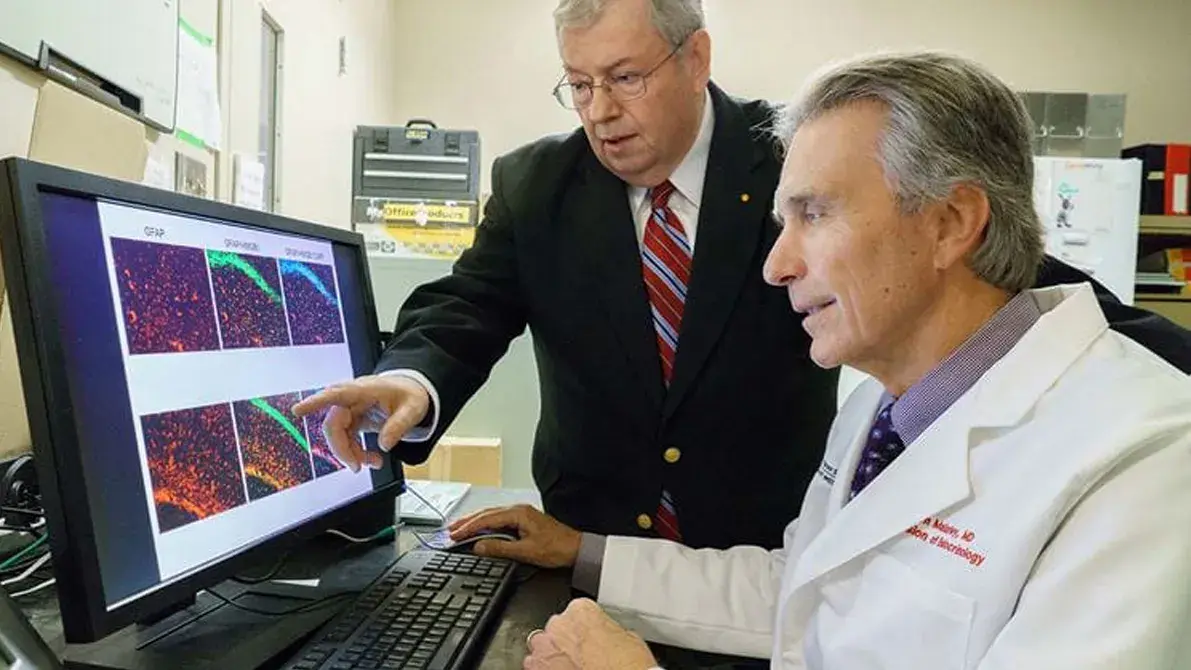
x=163, y=340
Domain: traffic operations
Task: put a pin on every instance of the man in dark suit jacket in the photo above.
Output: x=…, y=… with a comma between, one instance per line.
x=730, y=430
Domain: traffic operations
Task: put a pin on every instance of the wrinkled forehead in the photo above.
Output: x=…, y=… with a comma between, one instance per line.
x=834, y=143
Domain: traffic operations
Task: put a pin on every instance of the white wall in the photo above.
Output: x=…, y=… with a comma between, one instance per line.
x=319, y=107
x=493, y=64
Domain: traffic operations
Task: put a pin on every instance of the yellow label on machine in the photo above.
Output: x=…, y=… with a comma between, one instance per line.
x=432, y=242
x=423, y=213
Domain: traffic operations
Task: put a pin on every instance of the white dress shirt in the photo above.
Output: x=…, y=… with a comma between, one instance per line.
x=687, y=179
x=684, y=202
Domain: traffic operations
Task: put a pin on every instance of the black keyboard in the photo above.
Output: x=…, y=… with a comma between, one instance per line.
x=428, y=611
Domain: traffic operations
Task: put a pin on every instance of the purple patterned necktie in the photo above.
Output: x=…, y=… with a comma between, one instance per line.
x=883, y=445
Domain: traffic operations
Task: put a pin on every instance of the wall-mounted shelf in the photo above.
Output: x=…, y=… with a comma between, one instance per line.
x=1163, y=297
x=1166, y=225
x=1157, y=233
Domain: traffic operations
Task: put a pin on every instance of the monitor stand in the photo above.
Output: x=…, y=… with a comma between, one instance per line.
x=212, y=635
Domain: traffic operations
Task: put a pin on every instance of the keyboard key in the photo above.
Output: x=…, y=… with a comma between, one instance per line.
x=442, y=659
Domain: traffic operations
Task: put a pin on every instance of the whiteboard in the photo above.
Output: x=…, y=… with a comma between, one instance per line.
x=132, y=44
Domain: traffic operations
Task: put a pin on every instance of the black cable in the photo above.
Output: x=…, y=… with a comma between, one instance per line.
x=310, y=606
x=249, y=581
x=21, y=529
x=22, y=510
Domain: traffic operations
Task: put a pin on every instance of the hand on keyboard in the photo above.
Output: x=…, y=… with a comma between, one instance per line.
x=543, y=542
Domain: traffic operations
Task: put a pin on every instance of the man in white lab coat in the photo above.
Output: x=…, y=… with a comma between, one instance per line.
x=1011, y=491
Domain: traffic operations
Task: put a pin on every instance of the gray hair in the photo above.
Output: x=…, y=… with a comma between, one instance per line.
x=950, y=122
x=676, y=20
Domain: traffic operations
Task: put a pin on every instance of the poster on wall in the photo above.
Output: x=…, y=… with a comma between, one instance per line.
x=159, y=171
x=197, y=117
x=191, y=177
x=249, y=175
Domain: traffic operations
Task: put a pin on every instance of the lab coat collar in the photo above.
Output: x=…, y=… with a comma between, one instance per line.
x=932, y=475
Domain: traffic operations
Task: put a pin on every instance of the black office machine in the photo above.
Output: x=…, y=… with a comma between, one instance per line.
x=396, y=169
x=163, y=341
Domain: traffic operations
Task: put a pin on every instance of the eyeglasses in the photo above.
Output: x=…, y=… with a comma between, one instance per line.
x=622, y=87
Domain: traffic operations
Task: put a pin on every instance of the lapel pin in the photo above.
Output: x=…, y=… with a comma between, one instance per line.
x=744, y=197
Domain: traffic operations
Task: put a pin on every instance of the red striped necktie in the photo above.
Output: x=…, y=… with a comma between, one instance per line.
x=666, y=259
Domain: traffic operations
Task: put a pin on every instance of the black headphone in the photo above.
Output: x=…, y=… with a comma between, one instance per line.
x=19, y=490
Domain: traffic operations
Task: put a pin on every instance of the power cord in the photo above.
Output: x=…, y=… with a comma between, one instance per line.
x=385, y=532
x=389, y=531
x=33, y=567
x=15, y=558
x=34, y=556
x=44, y=585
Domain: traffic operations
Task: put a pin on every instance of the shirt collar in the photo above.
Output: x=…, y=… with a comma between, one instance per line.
x=924, y=402
x=688, y=176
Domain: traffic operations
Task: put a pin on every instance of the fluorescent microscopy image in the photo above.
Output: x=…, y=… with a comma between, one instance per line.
x=165, y=297
x=325, y=462
x=312, y=302
x=193, y=465
x=273, y=443
x=248, y=300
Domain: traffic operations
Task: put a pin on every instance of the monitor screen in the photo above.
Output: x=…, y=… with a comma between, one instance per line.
x=186, y=341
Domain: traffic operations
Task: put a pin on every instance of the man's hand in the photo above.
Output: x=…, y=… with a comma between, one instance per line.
x=544, y=542
x=585, y=637
x=362, y=405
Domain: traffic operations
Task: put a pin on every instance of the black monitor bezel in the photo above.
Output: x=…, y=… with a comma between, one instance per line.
x=69, y=522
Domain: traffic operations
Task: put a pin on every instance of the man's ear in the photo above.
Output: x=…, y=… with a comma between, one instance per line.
x=697, y=58
x=961, y=225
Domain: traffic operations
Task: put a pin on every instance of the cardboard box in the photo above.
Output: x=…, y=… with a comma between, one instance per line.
x=475, y=460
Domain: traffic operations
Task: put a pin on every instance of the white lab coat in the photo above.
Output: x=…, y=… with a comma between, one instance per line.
x=1043, y=522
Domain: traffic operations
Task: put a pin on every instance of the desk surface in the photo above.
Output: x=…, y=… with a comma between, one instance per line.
x=342, y=564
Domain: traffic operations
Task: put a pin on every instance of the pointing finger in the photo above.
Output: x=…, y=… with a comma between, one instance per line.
x=343, y=395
